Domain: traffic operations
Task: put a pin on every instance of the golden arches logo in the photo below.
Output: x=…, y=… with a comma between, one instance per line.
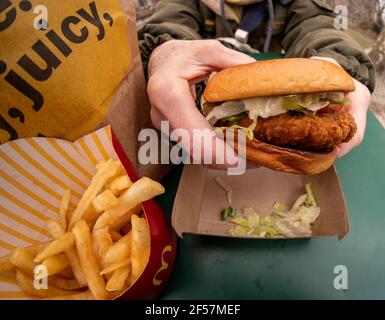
x=164, y=266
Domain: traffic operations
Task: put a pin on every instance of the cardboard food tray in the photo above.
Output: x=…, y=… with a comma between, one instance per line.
x=34, y=174
x=200, y=200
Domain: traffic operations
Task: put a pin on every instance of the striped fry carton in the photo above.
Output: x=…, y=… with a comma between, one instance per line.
x=34, y=175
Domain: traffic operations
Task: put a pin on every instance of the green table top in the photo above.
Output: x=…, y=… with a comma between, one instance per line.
x=226, y=268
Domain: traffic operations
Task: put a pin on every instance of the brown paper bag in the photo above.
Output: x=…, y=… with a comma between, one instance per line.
x=79, y=74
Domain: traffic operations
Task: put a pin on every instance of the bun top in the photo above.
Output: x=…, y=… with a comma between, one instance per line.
x=277, y=77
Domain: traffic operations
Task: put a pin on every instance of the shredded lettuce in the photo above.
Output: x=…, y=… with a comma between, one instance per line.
x=235, y=110
x=226, y=110
x=344, y=102
x=236, y=118
x=249, y=131
x=228, y=213
x=291, y=103
x=264, y=107
x=279, y=207
x=296, y=222
x=333, y=96
x=310, y=199
x=226, y=187
x=309, y=101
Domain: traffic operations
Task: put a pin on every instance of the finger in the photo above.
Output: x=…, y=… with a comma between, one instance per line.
x=360, y=100
x=193, y=91
x=220, y=57
x=177, y=104
x=211, y=59
x=359, y=114
x=156, y=118
x=205, y=77
x=344, y=148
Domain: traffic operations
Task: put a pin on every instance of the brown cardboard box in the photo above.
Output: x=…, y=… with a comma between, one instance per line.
x=200, y=200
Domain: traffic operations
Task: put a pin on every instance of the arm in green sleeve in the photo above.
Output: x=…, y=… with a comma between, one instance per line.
x=172, y=19
x=310, y=31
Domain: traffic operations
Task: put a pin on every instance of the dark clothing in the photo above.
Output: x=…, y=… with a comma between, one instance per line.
x=302, y=28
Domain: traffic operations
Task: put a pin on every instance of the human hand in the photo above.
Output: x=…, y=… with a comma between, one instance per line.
x=174, y=68
x=358, y=108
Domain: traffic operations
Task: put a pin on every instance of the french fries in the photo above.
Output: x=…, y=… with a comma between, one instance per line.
x=119, y=250
x=6, y=265
x=88, y=261
x=23, y=260
x=124, y=221
x=115, y=235
x=5, y=262
x=55, y=264
x=65, y=284
x=112, y=267
x=99, y=164
x=104, y=201
x=91, y=216
x=66, y=273
x=34, y=250
x=106, y=171
x=121, y=170
x=142, y=190
x=127, y=228
x=102, y=242
x=140, y=246
x=119, y=184
x=57, y=246
x=118, y=279
x=27, y=285
x=57, y=231
x=99, y=249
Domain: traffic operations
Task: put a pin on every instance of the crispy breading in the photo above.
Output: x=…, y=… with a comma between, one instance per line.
x=305, y=132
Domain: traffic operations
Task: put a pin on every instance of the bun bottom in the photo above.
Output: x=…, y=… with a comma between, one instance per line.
x=288, y=160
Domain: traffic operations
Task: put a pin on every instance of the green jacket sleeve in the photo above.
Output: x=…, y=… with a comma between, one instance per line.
x=172, y=19
x=310, y=31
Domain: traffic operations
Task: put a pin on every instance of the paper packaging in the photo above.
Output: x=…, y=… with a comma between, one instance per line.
x=82, y=73
x=35, y=173
x=199, y=200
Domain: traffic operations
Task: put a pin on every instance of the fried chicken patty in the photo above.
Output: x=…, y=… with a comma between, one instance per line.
x=299, y=131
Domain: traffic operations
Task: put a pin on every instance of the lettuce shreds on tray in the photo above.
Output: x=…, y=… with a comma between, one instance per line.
x=295, y=222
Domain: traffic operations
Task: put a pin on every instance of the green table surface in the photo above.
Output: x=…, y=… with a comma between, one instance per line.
x=227, y=268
